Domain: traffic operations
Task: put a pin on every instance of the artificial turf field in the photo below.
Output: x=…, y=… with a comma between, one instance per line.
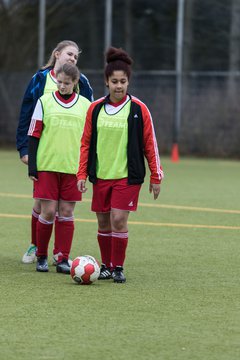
x=182, y=296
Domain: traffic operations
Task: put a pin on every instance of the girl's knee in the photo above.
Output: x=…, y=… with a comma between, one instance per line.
x=104, y=223
x=66, y=209
x=119, y=221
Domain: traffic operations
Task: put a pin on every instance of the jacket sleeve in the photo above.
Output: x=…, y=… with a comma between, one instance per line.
x=82, y=173
x=32, y=158
x=85, y=88
x=25, y=116
x=151, y=147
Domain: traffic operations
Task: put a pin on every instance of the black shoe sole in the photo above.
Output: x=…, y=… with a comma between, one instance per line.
x=60, y=271
x=119, y=281
x=42, y=270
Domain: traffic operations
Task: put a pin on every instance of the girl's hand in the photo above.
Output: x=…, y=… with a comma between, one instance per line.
x=155, y=188
x=33, y=174
x=24, y=159
x=81, y=186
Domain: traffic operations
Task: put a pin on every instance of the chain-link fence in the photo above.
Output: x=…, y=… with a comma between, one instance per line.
x=147, y=29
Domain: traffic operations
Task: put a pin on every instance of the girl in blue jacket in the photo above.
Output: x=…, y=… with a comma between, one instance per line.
x=44, y=81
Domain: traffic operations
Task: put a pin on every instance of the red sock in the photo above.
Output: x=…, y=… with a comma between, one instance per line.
x=56, y=236
x=105, y=245
x=34, y=221
x=119, y=246
x=64, y=236
x=44, y=231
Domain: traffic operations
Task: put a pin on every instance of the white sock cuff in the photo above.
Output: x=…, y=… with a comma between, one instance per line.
x=104, y=234
x=35, y=214
x=65, y=218
x=43, y=221
x=122, y=235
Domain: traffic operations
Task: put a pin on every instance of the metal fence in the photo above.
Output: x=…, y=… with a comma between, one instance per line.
x=175, y=35
x=210, y=123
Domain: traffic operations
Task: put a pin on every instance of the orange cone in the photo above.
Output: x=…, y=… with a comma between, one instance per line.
x=175, y=154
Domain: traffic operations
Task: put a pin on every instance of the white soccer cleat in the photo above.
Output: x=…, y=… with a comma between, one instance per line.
x=30, y=255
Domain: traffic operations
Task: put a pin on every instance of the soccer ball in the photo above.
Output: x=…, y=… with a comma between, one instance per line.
x=85, y=270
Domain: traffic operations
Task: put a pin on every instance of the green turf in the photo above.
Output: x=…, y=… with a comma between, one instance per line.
x=181, y=299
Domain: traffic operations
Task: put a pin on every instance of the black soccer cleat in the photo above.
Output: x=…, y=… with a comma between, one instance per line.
x=42, y=264
x=117, y=275
x=63, y=267
x=105, y=273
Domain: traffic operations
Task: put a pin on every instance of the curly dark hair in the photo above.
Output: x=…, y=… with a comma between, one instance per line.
x=117, y=59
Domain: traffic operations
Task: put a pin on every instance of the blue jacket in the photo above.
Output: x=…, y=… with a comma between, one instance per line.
x=34, y=90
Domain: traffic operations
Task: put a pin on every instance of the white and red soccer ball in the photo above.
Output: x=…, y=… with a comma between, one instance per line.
x=85, y=270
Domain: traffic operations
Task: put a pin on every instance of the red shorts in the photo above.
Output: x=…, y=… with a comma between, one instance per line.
x=114, y=194
x=56, y=186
